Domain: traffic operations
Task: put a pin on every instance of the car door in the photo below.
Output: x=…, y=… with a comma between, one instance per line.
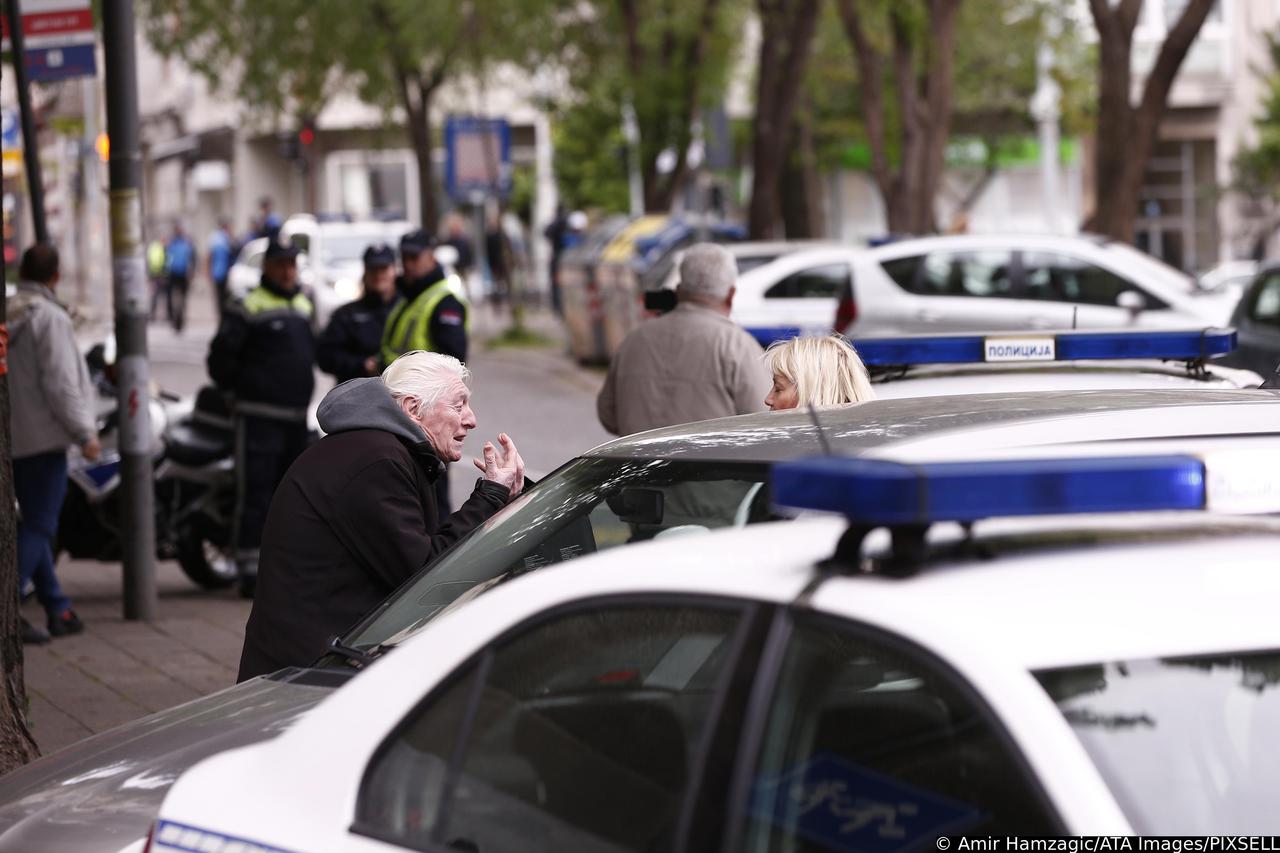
x=608, y=726
x=802, y=302
x=1258, y=322
x=1081, y=294
x=964, y=291
x=868, y=743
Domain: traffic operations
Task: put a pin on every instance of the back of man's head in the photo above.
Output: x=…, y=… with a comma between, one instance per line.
x=424, y=376
x=39, y=264
x=707, y=274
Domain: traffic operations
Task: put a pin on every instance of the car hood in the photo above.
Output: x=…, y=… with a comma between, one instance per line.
x=103, y=793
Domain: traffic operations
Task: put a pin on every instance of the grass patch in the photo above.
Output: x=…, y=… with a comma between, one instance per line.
x=521, y=337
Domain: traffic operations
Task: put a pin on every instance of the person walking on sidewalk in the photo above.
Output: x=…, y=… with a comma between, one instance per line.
x=179, y=264
x=348, y=347
x=691, y=364
x=51, y=408
x=220, y=258
x=263, y=355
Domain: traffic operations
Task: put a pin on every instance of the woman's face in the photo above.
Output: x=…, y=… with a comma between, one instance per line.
x=783, y=395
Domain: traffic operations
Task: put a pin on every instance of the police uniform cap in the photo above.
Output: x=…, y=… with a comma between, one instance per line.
x=380, y=255
x=277, y=250
x=416, y=242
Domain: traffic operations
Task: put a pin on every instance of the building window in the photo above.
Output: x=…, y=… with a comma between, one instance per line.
x=365, y=184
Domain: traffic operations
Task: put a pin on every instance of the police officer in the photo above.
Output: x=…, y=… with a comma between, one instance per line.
x=263, y=355
x=349, y=346
x=432, y=314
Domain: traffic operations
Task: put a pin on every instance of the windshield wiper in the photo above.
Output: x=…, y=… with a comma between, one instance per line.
x=356, y=656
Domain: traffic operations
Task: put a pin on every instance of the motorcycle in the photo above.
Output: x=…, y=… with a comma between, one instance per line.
x=194, y=477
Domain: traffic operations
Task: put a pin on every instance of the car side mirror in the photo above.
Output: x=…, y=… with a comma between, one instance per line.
x=1132, y=301
x=639, y=506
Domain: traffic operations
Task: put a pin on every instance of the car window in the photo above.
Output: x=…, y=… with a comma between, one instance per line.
x=577, y=734
x=903, y=271
x=868, y=742
x=253, y=259
x=1266, y=304
x=1186, y=744
x=590, y=505
x=982, y=273
x=826, y=282
x=1065, y=278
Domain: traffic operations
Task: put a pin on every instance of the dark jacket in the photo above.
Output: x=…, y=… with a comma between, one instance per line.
x=353, y=519
x=354, y=333
x=264, y=350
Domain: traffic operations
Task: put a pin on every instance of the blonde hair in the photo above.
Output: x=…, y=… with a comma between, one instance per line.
x=826, y=371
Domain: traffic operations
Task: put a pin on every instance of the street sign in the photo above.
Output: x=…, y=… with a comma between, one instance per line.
x=477, y=157
x=58, y=39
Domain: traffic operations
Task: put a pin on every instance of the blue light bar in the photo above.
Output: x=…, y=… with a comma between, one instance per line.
x=878, y=492
x=1181, y=344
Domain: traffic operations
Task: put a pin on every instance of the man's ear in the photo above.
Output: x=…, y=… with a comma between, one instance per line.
x=411, y=406
x=728, y=300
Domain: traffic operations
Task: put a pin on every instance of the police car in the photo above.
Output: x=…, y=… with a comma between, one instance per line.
x=928, y=365
x=672, y=484
x=1074, y=643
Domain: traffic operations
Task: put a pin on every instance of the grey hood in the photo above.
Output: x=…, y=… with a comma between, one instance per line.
x=366, y=404
x=103, y=793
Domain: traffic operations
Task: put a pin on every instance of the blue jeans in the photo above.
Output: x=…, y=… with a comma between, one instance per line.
x=40, y=483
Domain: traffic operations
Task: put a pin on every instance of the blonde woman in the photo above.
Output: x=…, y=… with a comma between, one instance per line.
x=820, y=371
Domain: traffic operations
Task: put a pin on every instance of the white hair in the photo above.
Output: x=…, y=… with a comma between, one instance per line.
x=707, y=272
x=423, y=376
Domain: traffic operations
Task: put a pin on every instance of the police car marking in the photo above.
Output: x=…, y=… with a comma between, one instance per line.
x=1019, y=349
x=191, y=839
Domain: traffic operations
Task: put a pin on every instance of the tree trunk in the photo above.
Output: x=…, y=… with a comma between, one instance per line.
x=786, y=41
x=1126, y=134
x=17, y=747
x=925, y=103
x=802, y=216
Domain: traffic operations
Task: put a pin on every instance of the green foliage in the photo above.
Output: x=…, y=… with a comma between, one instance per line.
x=590, y=160
x=1256, y=169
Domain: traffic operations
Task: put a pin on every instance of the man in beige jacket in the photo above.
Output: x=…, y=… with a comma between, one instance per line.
x=691, y=364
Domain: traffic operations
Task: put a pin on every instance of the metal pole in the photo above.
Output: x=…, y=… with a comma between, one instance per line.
x=131, y=309
x=30, y=150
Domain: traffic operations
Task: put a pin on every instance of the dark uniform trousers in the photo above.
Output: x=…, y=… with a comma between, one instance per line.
x=265, y=448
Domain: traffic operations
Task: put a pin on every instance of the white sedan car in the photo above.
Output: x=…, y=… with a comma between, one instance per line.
x=1081, y=644
x=971, y=283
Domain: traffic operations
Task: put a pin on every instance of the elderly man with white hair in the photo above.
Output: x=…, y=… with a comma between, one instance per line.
x=691, y=364
x=356, y=515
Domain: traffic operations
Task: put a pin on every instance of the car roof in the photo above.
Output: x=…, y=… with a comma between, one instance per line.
x=965, y=420
x=960, y=241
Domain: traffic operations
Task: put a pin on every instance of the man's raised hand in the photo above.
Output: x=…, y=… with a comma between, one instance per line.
x=503, y=465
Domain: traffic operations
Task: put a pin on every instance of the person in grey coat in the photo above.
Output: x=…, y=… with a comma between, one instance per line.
x=51, y=408
x=691, y=364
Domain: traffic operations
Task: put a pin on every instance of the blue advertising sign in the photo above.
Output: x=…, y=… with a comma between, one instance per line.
x=47, y=64
x=477, y=157
x=12, y=130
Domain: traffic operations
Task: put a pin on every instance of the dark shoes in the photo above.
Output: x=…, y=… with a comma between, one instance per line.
x=31, y=635
x=65, y=624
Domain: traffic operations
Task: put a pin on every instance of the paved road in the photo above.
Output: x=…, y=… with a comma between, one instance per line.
x=118, y=671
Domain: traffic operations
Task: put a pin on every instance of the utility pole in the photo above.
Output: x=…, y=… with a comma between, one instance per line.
x=30, y=150
x=131, y=307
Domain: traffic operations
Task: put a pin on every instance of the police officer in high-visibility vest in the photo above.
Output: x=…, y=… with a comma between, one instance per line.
x=431, y=315
x=263, y=355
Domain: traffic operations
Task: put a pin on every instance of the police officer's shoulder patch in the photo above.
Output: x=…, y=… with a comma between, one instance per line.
x=450, y=317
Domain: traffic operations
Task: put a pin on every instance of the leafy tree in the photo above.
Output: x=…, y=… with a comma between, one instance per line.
x=668, y=59
x=1126, y=133
x=590, y=153
x=1256, y=168
x=289, y=57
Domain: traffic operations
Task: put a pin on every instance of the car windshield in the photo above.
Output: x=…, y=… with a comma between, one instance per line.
x=589, y=505
x=1185, y=744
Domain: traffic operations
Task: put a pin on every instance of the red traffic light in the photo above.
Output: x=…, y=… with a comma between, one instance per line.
x=306, y=136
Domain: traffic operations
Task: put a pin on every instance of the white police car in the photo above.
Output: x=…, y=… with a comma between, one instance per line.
x=931, y=365
x=1083, y=643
